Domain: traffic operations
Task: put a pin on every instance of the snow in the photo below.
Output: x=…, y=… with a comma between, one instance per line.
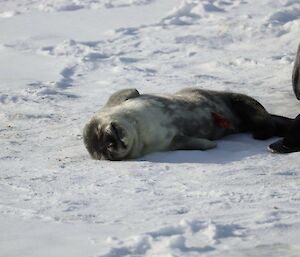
x=61, y=60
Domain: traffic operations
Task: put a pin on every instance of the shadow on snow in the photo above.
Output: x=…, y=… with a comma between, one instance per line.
x=229, y=149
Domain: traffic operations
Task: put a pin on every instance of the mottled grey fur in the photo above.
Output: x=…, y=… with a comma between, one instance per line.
x=131, y=125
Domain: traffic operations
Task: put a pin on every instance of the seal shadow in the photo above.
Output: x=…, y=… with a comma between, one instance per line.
x=229, y=149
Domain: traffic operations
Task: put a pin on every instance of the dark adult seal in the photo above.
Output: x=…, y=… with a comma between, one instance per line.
x=296, y=75
x=131, y=124
x=291, y=141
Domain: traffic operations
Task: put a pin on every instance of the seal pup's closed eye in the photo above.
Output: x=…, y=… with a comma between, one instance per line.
x=131, y=125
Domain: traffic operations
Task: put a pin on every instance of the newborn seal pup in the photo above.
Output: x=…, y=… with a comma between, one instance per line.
x=131, y=124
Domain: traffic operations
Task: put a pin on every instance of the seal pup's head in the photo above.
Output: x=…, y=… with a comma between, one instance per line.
x=109, y=139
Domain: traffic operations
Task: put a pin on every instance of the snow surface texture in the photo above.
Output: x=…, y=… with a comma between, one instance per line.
x=61, y=60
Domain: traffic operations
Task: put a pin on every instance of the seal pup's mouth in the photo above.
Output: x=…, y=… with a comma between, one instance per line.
x=117, y=134
x=113, y=145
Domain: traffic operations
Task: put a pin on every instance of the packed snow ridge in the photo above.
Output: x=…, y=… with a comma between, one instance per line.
x=172, y=239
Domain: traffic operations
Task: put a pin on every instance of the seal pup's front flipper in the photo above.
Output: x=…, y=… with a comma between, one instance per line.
x=191, y=143
x=121, y=96
x=296, y=75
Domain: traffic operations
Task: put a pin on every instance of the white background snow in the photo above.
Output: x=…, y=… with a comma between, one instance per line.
x=60, y=61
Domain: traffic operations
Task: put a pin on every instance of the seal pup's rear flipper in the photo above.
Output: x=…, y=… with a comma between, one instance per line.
x=296, y=75
x=283, y=124
x=121, y=96
x=255, y=119
x=191, y=143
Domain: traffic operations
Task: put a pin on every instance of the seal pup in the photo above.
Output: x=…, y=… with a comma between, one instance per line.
x=131, y=124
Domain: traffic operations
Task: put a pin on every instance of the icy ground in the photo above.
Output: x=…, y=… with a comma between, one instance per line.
x=59, y=62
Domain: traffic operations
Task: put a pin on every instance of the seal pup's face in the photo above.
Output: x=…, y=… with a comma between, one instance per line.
x=107, y=140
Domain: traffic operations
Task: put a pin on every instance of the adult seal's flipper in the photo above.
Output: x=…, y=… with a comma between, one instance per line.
x=296, y=75
x=121, y=96
x=280, y=147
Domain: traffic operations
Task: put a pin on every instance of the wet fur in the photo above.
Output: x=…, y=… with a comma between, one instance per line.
x=131, y=125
